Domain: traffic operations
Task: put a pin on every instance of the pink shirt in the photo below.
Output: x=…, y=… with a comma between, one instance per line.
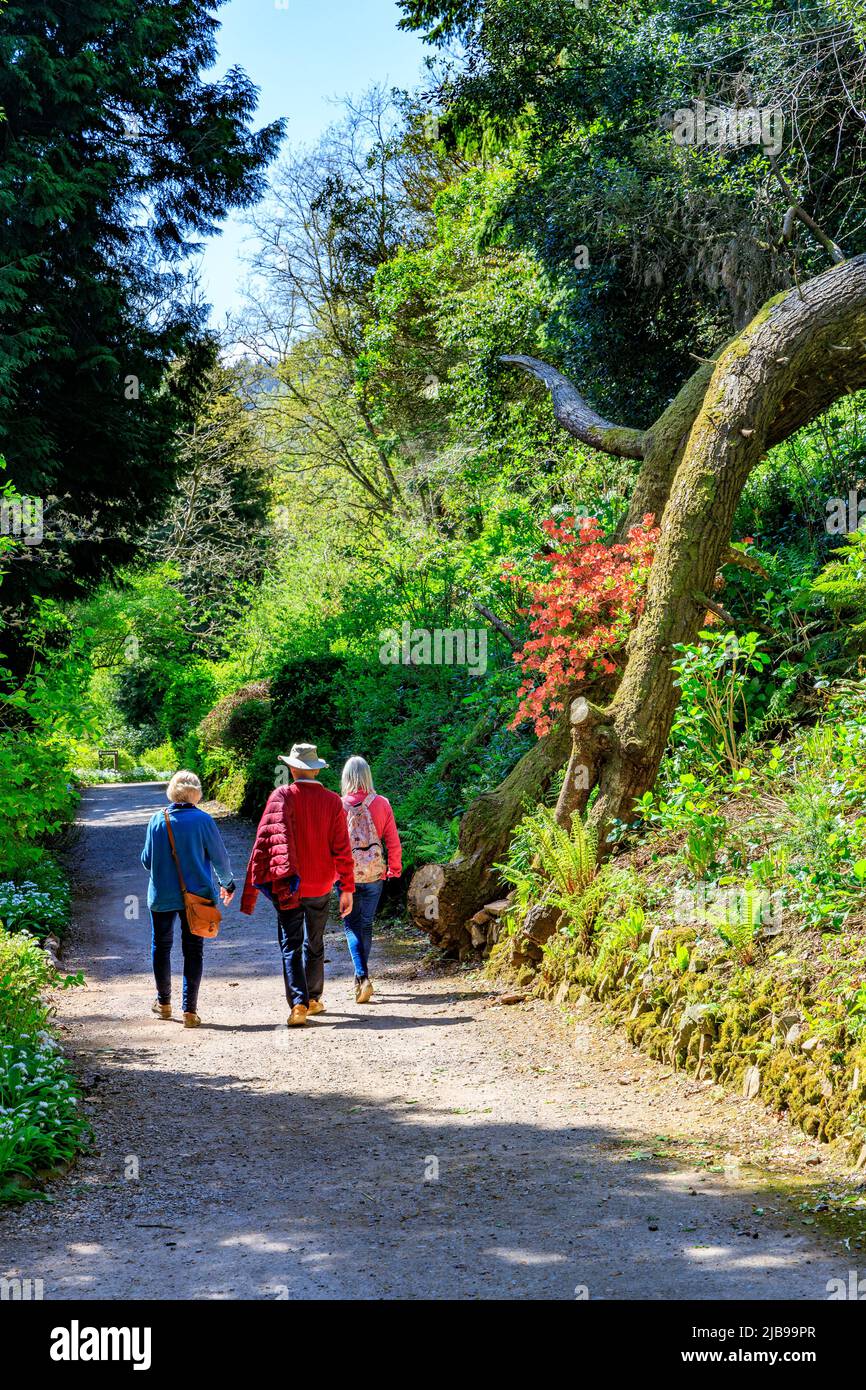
x=386, y=828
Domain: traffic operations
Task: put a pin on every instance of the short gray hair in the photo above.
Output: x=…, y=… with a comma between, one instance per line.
x=357, y=777
x=184, y=786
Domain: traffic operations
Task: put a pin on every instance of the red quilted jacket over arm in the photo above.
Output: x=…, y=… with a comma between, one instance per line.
x=274, y=859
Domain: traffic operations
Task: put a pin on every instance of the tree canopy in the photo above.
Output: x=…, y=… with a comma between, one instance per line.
x=118, y=157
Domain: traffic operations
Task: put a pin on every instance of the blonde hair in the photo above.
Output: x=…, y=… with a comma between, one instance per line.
x=184, y=786
x=357, y=777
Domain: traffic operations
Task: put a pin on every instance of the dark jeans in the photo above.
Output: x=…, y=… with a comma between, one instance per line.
x=301, y=934
x=193, y=959
x=359, y=924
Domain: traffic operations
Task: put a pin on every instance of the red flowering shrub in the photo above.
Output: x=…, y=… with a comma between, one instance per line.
x=582, y=615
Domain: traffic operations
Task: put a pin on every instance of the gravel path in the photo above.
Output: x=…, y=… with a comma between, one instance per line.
x=428, y=1146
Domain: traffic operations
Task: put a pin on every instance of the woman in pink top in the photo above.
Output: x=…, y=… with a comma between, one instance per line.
x=377, y=854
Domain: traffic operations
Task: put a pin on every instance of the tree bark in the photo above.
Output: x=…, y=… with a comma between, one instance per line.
x=442, y=898
x=799, y=354
x=802, y=351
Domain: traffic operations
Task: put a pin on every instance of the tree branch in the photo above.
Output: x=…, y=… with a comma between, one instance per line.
x=513, y=641
x=721, y=612
x=835, y=252
x=572, y=411
x=746, y=562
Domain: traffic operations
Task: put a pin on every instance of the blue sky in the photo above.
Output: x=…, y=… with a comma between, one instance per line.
x=302, y=55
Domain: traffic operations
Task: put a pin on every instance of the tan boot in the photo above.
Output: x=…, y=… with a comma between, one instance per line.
x=298, y=1016
x=316, y=1007
x=161, y=1010
x=365, y=992
x=191, y=1021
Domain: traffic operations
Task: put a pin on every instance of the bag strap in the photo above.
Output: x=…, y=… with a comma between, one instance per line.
x=174, y=852
x=368, y=800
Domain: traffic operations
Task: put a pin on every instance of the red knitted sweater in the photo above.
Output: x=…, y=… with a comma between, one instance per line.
x=302, y=832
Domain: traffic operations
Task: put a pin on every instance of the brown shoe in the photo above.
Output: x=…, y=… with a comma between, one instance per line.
x=316, y=1007
x=161, y=1010
x=365, y=992
x=191, y=1021
x=298, y=1016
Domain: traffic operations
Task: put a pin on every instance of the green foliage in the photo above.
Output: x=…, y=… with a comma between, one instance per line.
x=40, y=1122
x=39, y=904
x=425, y=842
x=580, y=100
x=521, y=869
x=25, y=974
x=686, y=804
x=568, y=860
x=842, y=584
x=163, y=756
x=720, y=680
x=563, y=870
x=40, y=716
x=186, y=699
x=104, y=777
x=236, y=723
x=303, y=708
x=737, y=928
x=118, y=154
x=620, y=933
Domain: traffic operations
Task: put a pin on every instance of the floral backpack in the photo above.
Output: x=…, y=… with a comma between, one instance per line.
x=367, y=849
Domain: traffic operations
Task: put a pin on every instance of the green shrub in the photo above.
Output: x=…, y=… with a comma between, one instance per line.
x=842, y=586
x=39, y=904
x=164, y=756
x=189, y=696
x=25, y=972
x=236, y=722
x=106, y=776
x=304, y=709
x=40, y=1123
x=720, y=678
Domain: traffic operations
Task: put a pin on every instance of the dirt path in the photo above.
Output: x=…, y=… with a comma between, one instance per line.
x=304, y=1165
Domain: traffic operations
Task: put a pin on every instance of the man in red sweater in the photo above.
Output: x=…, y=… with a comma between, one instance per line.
x=324, y=855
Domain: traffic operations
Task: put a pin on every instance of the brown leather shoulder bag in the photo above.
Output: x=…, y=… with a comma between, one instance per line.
x=202, y=915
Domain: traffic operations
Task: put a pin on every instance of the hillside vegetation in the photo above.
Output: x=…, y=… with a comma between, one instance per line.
x=535, y=474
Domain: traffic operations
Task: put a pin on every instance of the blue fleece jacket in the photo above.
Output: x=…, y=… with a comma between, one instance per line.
x=201, y=852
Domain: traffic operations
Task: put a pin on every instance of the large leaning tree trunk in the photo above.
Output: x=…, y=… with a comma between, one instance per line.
x=805, y=349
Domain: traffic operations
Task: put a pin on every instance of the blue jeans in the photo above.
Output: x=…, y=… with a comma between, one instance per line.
x=359, y=924
x=193, y=958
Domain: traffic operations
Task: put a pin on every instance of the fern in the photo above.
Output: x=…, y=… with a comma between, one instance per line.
x=547, y=861
x=620, y=931
x=842, y=582
x=568, y=860
x=739, y=916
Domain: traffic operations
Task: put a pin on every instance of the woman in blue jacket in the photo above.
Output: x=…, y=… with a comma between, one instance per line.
x=202, y=853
